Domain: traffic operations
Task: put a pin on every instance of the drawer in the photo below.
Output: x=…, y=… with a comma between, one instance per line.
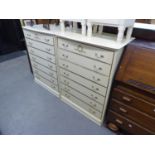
x=83, y=98
x=126, y=124
x=134, y=101
x=45, y=76
x=39, y=37
x=133, y=114
x=96, y=97
x=94, y=65
x=40, y=46
x=85, y=50
x=82, y=105
x=44, y=69
x=41, y=54
x=42, y=62
x=97, y=78
x=46, y=82
x=89, y=84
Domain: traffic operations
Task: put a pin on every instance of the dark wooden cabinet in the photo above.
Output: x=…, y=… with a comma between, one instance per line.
x=132, y=103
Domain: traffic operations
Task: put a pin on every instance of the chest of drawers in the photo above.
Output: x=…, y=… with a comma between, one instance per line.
x=43, y=59
x=132, y=104
x=75, y=69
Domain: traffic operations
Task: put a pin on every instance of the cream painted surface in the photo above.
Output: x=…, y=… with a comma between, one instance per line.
x=77, y=68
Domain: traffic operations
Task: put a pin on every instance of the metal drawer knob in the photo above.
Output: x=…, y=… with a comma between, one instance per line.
x=130, y=125
x=123, y=110
x=153, y=110
x=126, y=98
x=119, y=121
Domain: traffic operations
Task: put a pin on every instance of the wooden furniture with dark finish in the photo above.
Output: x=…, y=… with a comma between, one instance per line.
x=132, y=103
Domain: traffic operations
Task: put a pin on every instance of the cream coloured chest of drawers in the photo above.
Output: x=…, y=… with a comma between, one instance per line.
x=78, y=70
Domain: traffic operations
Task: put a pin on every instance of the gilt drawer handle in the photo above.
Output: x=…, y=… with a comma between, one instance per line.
x=48, y=49
x=47, y=40
x=126, y=99
x=119, y=121
x=123, y=110
x=101, y=56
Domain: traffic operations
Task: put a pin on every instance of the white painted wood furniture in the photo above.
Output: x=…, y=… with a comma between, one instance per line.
x=42, y=53
x=77, y=68
x=73, y=25
x=121, y=24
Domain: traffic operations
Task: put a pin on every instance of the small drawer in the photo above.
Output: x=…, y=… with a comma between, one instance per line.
x=43, y=62
x=45, y=76
x=83, y=98
x=96, y=97
x=41, y=54
x=93, y=65
x=87, y=83
x=97, y=78
x=82, y=105
x=85, y=50
x=46, y=82
x=44, y=69
x=133, y=114
x=39, y=37
x=126, y=124
x=134, y=101
x=41, y=46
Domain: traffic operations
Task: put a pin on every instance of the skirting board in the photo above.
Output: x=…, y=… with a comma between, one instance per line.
x=82, y=111
x=46, y=87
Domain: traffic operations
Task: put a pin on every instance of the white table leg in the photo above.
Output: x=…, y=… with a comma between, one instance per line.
x=129, y=33
x=62, y=24
x=89, y=29
x=83, y=24
x=120, y=35
x=100, y=31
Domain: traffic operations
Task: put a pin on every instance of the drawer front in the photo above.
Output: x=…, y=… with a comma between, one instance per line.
x=82, y=105
x=85, y=50
x=42, y=62
x=45, y=76
x=41, y=54
x=83, y=90
x=96, y=66
x=83, y=98
x=39, y=37
x=102, y=80
x=126, y=124
x=40, y=46
x=133, y=114
x=46, y=82
x=44, y=69
x=134, y=101
x=89, y=84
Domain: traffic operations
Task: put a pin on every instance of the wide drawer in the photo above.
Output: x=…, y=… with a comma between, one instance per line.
x=85, y=50
x=83, y=90
x=134, y=101
x=45, y=76
x=102, y=80
x=82, y=105
x=126, y=124
x=83, y=98
x=94, y=65
x=133, y=114
x=44, y=69
x=40, y=46
x=41, y=54
x=39, y=37
x=46, y=82
x=43, y=62
x=89, y=84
